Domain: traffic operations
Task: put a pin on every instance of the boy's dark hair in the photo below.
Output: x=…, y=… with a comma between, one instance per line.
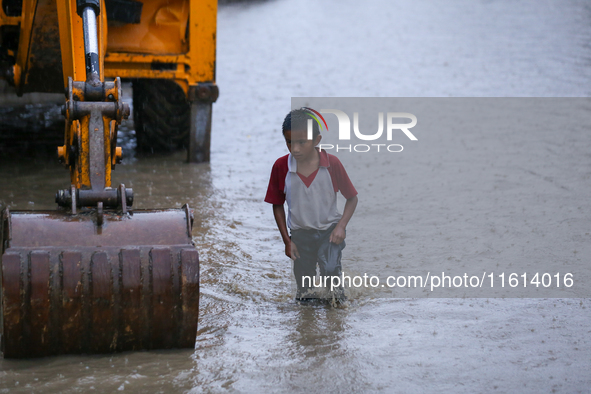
x=298, y=120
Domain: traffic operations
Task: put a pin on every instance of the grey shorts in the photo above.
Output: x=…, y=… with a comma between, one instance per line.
x=315, y=248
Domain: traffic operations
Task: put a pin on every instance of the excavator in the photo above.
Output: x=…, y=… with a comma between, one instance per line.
x=95, y=275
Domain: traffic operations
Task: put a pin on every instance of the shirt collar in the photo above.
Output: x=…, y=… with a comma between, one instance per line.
x=324, y=162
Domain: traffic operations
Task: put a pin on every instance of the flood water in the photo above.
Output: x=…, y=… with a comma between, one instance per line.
x=252, y=336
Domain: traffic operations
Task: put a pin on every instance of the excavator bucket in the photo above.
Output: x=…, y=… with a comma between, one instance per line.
x=72, y=286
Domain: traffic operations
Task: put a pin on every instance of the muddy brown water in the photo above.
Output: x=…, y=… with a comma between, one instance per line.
x=252, y=337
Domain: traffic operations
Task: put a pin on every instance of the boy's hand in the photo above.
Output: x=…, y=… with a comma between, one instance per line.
x=338, y=235
x=291, y=251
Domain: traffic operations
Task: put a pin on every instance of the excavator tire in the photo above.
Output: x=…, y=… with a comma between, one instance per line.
x=162, y=116
x=70, y=286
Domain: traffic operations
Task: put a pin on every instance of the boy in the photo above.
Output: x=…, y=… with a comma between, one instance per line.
x=309, y=179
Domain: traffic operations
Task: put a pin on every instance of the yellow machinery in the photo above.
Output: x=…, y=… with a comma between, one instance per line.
x=166, y=47
x=95, y=276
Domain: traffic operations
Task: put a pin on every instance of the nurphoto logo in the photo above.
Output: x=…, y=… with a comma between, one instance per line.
x=345, y=130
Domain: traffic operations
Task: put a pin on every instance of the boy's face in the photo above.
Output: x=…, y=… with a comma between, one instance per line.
x=299, y=145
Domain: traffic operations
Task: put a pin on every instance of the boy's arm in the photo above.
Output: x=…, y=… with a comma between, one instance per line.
x=338, y=234
x=279, y=214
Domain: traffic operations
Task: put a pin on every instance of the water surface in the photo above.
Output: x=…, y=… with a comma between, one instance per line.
x=252, y=336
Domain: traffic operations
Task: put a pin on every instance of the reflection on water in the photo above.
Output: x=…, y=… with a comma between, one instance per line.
x=318, y=331
x=252, y=337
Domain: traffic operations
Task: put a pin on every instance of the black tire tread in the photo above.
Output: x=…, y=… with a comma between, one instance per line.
x=162, y=116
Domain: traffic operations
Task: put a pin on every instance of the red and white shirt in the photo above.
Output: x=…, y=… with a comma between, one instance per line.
x=312, y=200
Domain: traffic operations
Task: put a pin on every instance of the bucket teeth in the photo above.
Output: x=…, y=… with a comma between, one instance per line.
x=98, y=300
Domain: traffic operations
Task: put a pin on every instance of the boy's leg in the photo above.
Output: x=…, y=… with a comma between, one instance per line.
x=304, y=267
x=329, y=261
x=329, y=254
